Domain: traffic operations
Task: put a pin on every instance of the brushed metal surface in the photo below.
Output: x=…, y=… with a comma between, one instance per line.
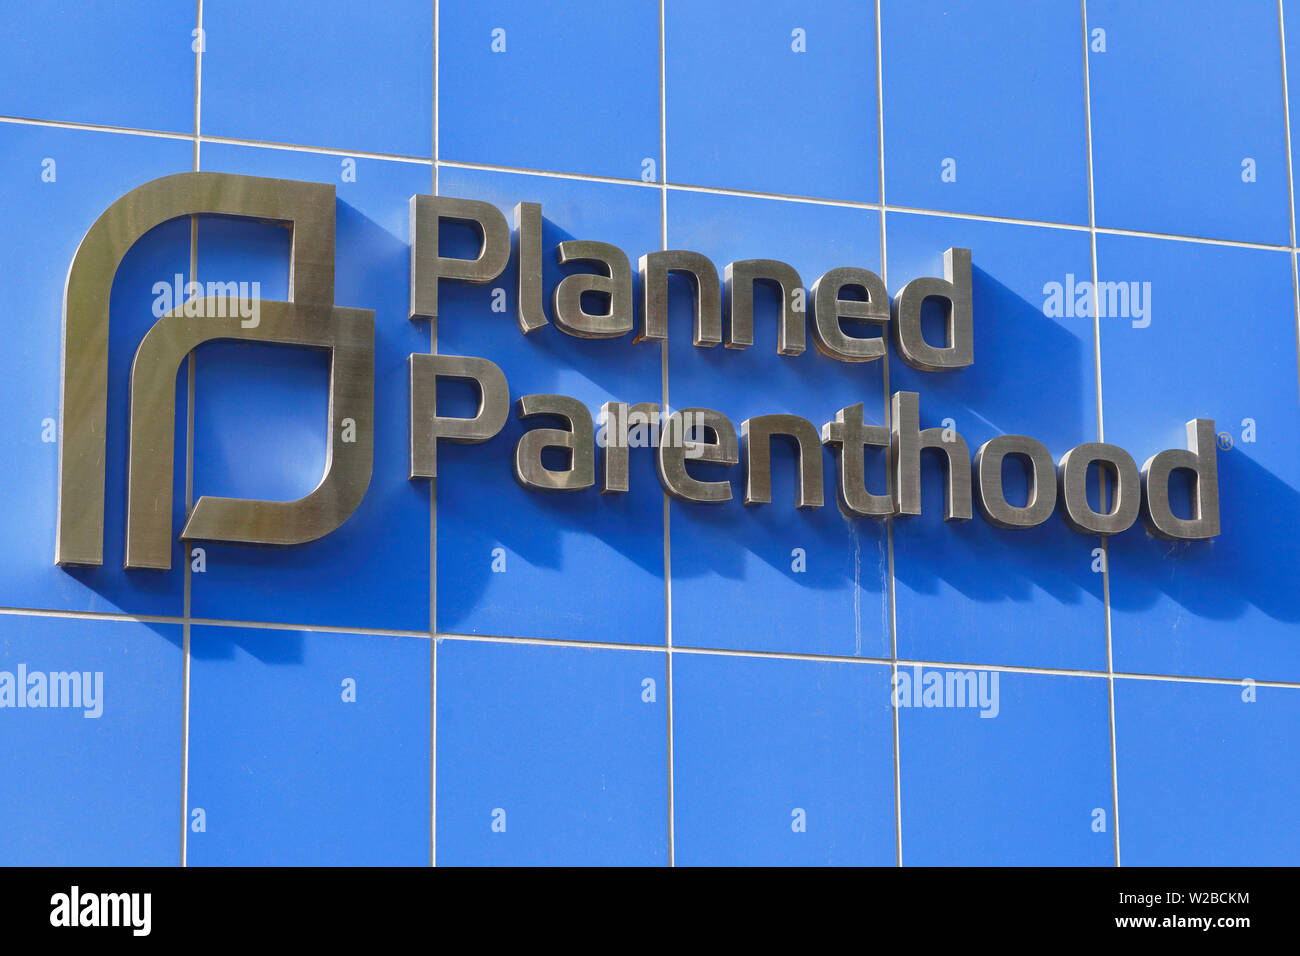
x=618, y=419
x=828, y=309
x=738, y=280
x=955, y=289
x=705, y=287
x=426, y=427
x=756, y=436
x=615, y=284
x=307, y=208
x=1201, y=461
x=578, y=437
x=848, y=438
x=428, y=266
x=675, y=446
x=1072, y=488
x=347, y=334
x=908, y=443
x=990, y=497
x=530, y=312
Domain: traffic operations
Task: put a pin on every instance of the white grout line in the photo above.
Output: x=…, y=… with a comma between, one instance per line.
x=1290, y=180
x=1203, y=240
x=683, y=187
x=549, y=174
x=980, y=217
x=1101, y=432
x=433, y=525
x=95, y=128
x=191, y=372
x=889, y=478
x=780, y=197
x=322, y=150
x=667, y=507
x=361, y=631
x=188, y=583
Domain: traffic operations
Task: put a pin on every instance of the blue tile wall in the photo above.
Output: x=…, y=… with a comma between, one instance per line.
x=341, y=75
x=1181, y=149
x=1226, y=607
x=308, y=749
x=1023, y=779
x=511, y=561
x=382, y=550
x=736, y=578
x=469, y=672
x=1204, y=773
x=552, y=755
x=97, y=784
x=110, y=64
x=47, y=218
x=782, y=762
x=572, y=86
x=984, y=108
x=773, y=97
x=967, y=591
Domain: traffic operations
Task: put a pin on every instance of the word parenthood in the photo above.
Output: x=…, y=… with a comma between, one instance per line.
x=706, y=437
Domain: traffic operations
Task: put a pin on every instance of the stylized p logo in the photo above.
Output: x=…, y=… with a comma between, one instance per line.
x=310, y=320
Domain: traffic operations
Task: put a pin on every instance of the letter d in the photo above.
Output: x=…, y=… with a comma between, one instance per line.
x=1201, y=460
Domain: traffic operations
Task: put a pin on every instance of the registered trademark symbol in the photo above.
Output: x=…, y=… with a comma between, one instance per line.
x=1225, y=441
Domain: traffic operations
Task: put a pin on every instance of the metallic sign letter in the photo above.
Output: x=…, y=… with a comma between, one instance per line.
x=615, y=418
x=1072, y=480
x=427, y=428
x=308, y=208
x=848, y=438
x=1041, y=472
x=654, y=268
x=427, y=266
x=829, y=308
x=955, y=288
x=566, y=302
x=348, y=335
x=739, y=279
x=756, y=435
x=908, y=442
x=529, y=313
x=579, y=438
x=1200, y=459
x=671, y=459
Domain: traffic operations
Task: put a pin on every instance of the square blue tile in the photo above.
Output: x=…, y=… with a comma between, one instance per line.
x=1021, y=788
x=966, y=590
x=98, y=784
x=337, y=74
x=261, y=411
x=984, y=108
x=108, y=64
x=1291, y=31
x=577, y=565
x=734, y=576
x=1171, y=138
x=1205, y=777
x=308, y=749
x=45, y=222
x=781, y=762
x=572, y=86
x=1223, y=607
x=773, y=97
x=551, y=756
